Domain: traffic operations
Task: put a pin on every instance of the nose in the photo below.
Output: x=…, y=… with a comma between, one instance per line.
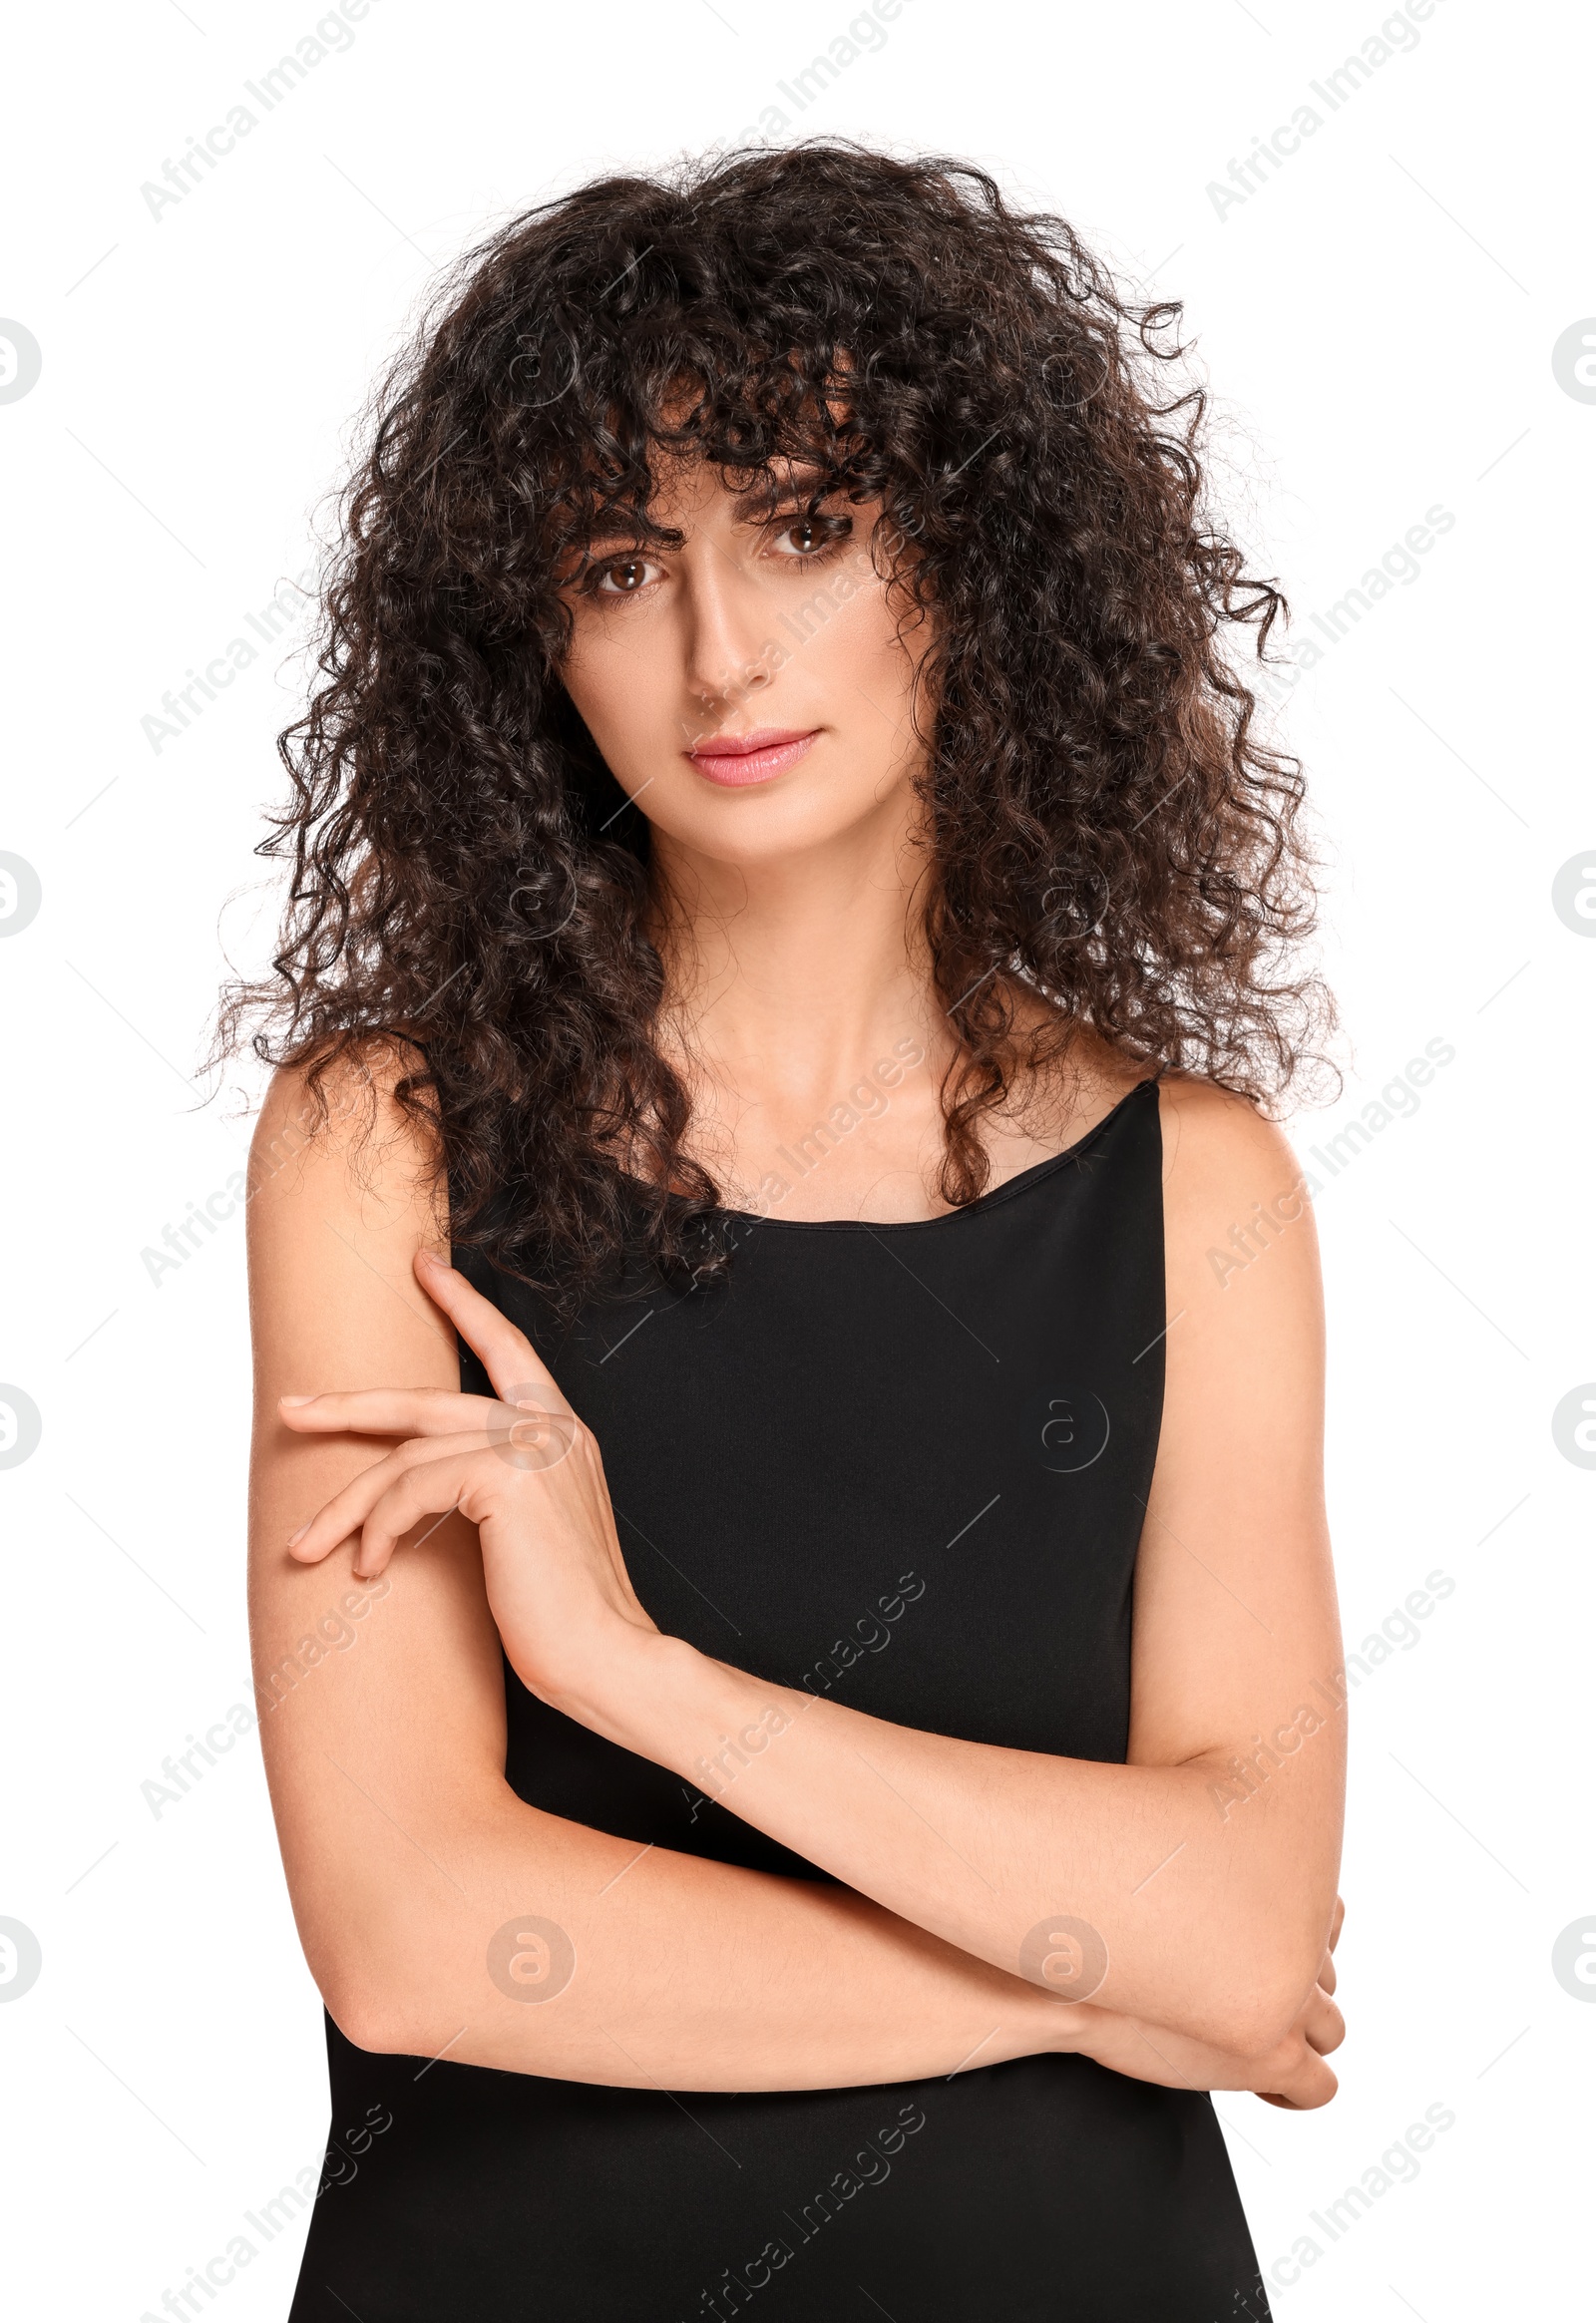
x=727, y=655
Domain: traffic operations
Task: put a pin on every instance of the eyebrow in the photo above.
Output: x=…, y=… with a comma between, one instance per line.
x=766, y=496
x=804, y=481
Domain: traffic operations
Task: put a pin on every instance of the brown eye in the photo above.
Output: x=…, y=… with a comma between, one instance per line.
x=625, y=576
x=801, y=538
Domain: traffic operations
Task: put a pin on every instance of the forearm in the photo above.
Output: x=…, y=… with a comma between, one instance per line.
x=1211, y=1923
x=679, y=1972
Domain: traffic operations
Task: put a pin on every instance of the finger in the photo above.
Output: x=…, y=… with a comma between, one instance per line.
x=1326, y=1973
x=1324, y=2026
x=407, y=1411
x=346, y=1512
x=1309, y=2096
x=508, y=1356
x=431, y=1488
x=1311, y=2084
x=1334, y=1925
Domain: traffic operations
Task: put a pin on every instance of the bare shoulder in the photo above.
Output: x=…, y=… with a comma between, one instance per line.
x=344, y=1189
x=344, y=1140
x=1209, y=1130
x=1235, y=1196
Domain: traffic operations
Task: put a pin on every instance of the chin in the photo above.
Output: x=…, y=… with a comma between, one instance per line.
x=770, y=821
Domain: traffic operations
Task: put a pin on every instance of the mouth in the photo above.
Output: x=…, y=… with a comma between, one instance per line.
x=735, y=760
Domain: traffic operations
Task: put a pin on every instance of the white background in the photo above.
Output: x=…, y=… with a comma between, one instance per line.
x=1377, y=322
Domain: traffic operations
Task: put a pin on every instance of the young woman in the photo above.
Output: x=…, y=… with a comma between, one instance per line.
x=790, y=1586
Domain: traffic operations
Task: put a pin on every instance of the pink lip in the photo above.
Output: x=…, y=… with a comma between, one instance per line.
x=734, y=760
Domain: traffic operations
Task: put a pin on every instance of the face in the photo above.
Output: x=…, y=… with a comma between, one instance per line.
x=748, y=690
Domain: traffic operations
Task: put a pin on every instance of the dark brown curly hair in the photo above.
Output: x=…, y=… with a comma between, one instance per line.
x=1105, y=830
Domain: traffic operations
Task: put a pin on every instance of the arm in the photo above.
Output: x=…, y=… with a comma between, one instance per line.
x=1210, y=1887
x=382, y=1726
x=1211, y=1896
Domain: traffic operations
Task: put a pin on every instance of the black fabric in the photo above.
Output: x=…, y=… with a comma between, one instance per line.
x=959, y=1417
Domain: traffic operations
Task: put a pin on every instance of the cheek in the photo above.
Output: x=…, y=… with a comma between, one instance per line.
x=617, y=676
x=862, y=675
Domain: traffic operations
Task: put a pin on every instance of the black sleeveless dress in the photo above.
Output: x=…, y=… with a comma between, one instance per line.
x=902, y=1466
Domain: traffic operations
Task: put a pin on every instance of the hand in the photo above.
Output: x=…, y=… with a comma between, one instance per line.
x=1292, y=2074
x=1317, y=2018
x=525, y=1470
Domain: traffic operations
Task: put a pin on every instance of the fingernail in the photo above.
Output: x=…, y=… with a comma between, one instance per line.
x=296, y=1400
x=295, y=1538
x=429, y=1258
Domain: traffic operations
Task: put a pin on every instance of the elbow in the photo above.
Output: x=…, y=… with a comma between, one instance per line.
x=380, y=2013
x=376, y=2023
x=1257, y=2005
x=362, y=2014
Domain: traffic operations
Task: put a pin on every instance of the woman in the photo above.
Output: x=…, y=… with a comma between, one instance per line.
x=793, y=1736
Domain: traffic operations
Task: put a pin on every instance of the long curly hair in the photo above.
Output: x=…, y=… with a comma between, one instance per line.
x=1105, y=831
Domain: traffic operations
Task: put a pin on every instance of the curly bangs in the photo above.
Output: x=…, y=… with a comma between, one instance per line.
x=1106, y=834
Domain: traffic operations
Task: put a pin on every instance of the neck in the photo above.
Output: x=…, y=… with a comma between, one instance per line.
x=793, y=976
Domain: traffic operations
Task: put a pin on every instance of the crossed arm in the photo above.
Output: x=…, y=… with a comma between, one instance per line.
x=1209, y=1889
